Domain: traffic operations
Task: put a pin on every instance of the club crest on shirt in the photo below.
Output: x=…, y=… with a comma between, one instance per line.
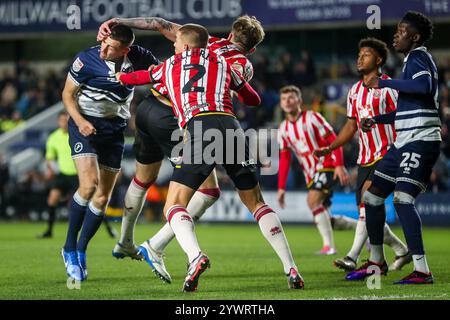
x=77, y=65
x=365, y=111
x=377, y=94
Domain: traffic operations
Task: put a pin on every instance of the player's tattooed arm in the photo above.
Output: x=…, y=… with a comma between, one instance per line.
x=166, y=28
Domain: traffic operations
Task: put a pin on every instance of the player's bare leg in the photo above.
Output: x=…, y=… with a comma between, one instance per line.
x=322, y=220
x=95, y=212
x=88, y=177
x=182, y=225
x=95, y=187
x=272, y=230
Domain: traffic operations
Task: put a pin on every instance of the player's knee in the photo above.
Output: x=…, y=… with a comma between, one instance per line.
x=372, y=200
x=52, y=202
x=313, y=201
x=401, y=197
x=148, y=174
x=87, y=190
x=252, y=198
x=100, y=201
x=167, y=207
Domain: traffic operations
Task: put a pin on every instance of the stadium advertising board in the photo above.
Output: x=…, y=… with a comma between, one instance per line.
x=85, y=15
x=433, y=208
x=230, y=209
x=307, y=12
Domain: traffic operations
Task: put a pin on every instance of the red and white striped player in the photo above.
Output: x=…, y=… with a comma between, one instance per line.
x=303, y=132
x=155, y=141
x=198, y=80
x=232, y=54
x=367, y=103
x=199, y=84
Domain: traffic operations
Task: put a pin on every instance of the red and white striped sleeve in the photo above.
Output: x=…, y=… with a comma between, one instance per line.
x=351, y=107
x=281, y=139
x=321, y=124
x=391, y=99
x=237, y=80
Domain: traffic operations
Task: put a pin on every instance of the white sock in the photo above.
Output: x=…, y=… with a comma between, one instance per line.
x=344, y=223
x=199, y=203
x=394, y=242
x=323, y=223
x=361, y=235
x=134, y=201
x=420, y=263
x=183, y=227
x=376, y=253
x=271, y=228
x=162, y=238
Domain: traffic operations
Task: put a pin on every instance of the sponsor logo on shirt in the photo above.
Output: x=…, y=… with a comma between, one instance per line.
x=77, y=65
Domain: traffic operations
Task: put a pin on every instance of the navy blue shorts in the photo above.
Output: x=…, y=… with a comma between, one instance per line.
x=323, y=181
x=107, y=144
x=406, y=169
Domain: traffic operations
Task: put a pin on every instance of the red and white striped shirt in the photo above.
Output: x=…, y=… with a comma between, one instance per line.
x=232, y=55
x=305, y=135
x=198, y=80
x=367, y=103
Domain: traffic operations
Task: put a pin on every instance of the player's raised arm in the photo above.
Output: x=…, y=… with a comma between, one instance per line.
x=166, y=28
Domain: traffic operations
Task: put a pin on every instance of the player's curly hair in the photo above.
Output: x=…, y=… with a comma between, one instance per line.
x=379, y=46
x=248, y=31
x=421, y=23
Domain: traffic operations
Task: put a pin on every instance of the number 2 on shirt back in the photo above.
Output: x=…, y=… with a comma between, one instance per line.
x=189, y=86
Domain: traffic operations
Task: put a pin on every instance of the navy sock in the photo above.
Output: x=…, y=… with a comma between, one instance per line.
x=92, y=222
x=51, y=218
x=375, y=220
x=412, y=226
x=77, y=210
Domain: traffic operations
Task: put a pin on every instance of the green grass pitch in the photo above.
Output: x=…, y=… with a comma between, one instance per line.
x=243, y=267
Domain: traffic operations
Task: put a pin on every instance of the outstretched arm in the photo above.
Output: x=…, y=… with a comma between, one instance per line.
x=420, y=85
x=166, y=28
x=344, y=136
x=135, y=78
x=386, y=118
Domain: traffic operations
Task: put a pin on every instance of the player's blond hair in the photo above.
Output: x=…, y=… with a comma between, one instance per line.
x=247, y=31
x=291, y=88
x=195, y=35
